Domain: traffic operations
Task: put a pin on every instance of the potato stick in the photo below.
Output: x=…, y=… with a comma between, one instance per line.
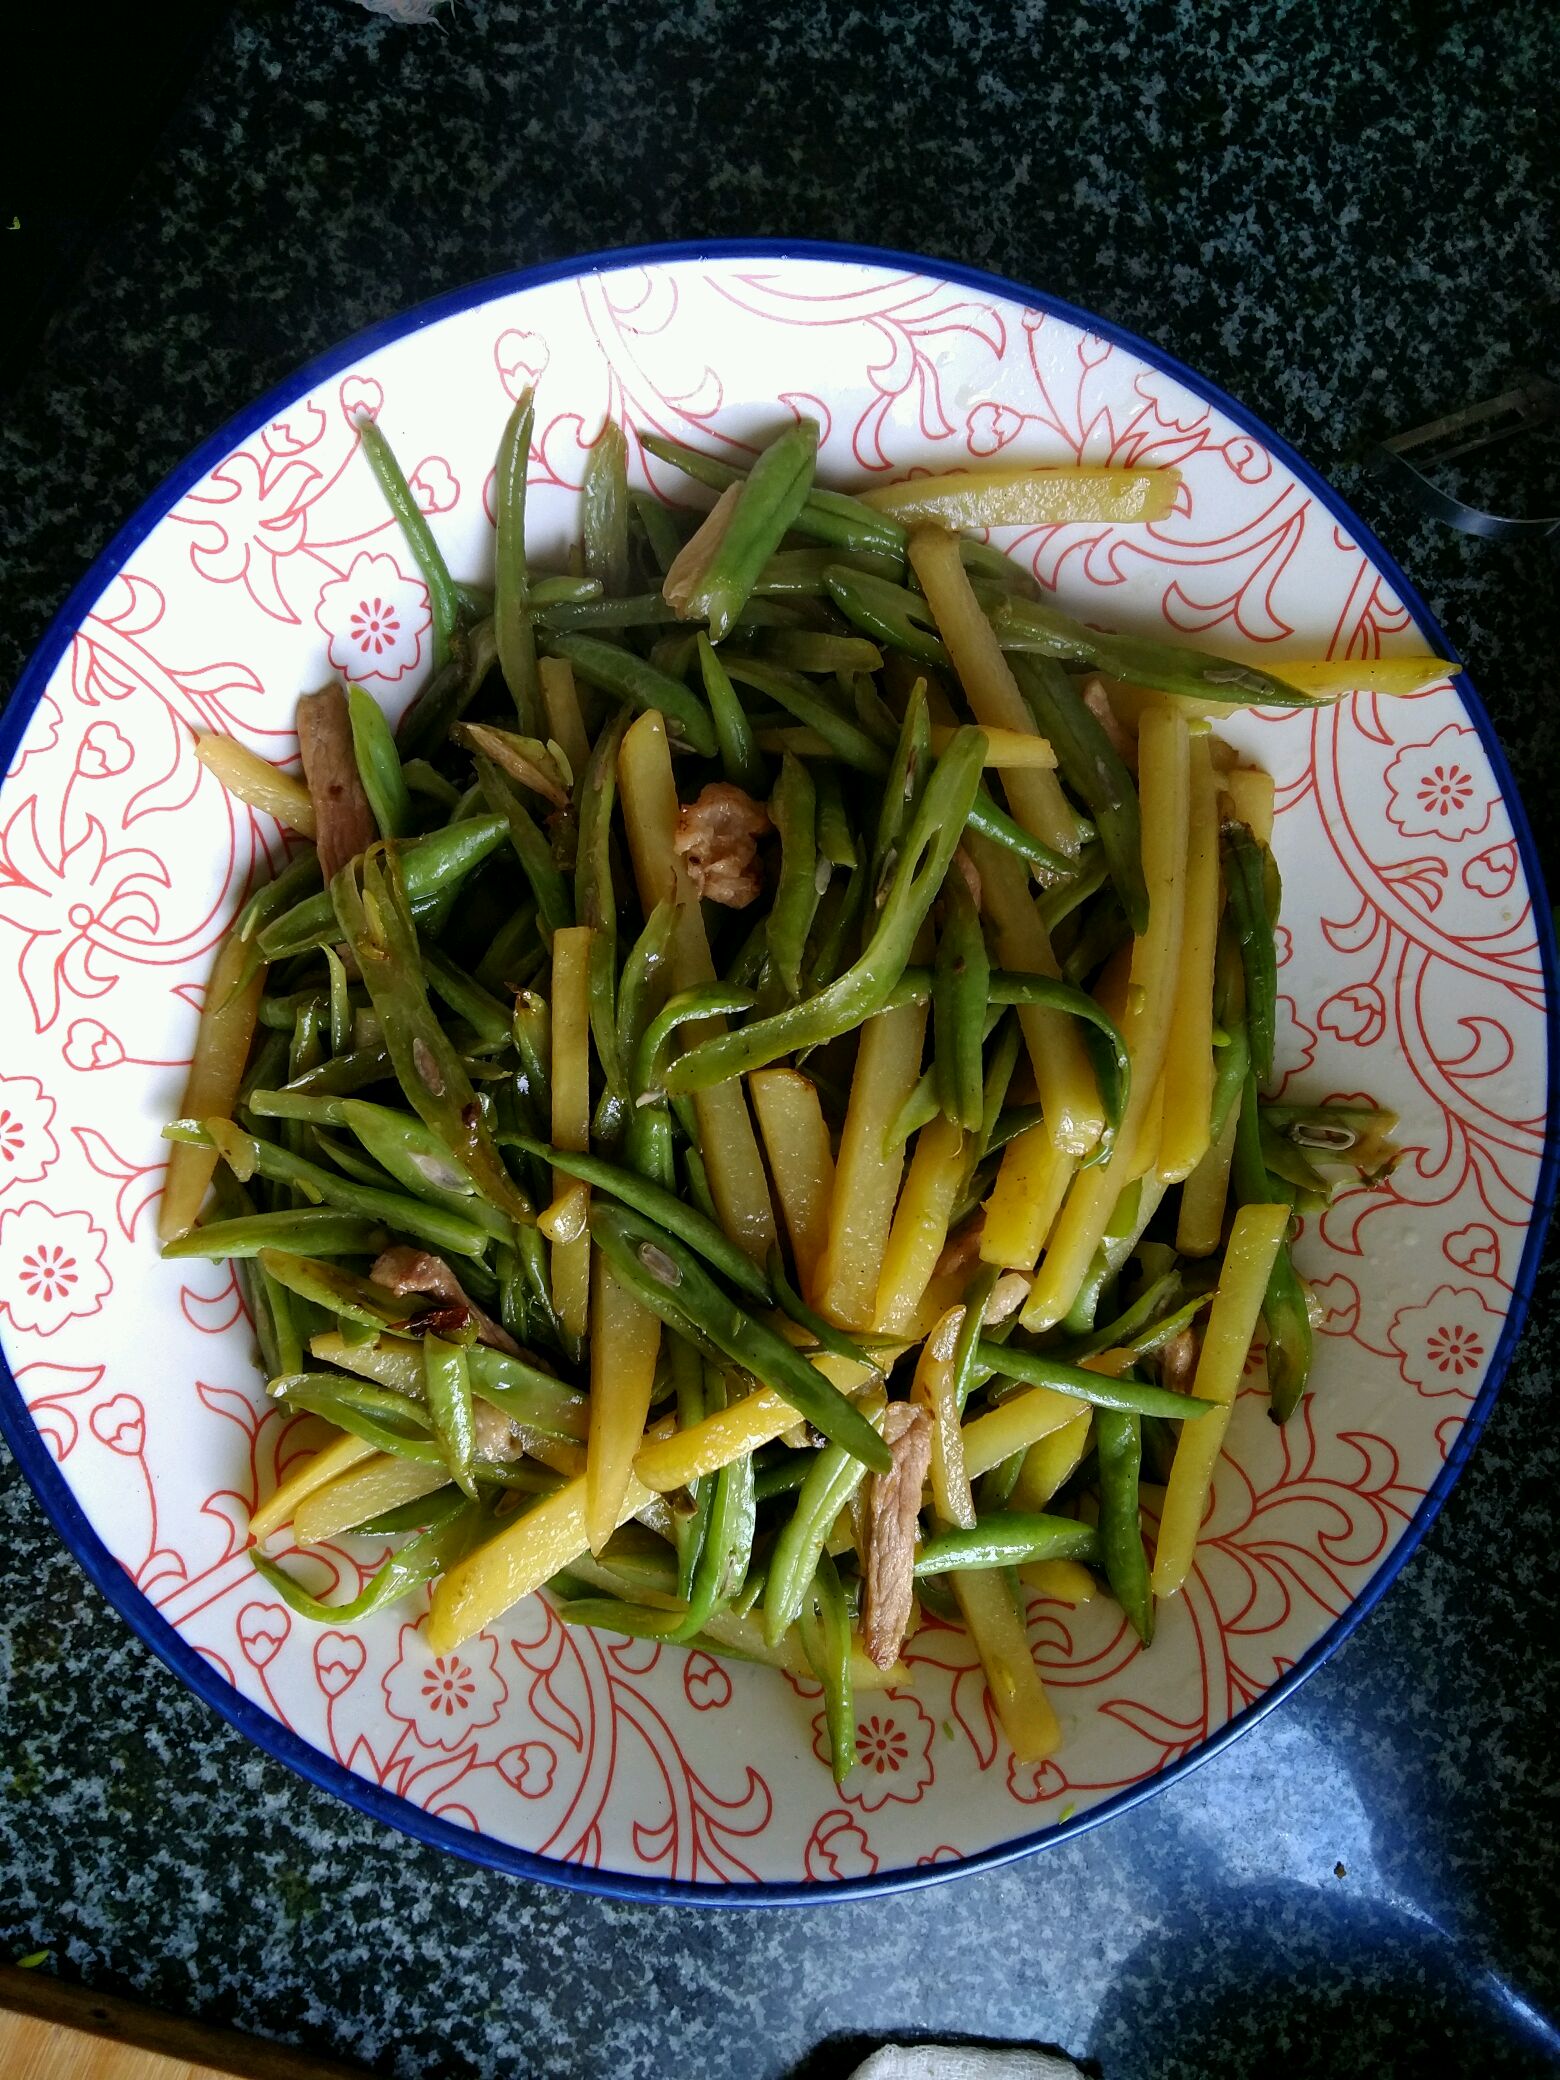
x=516, y=1560
x=1254, y=1242
x=1007, y=750
x=255, y=780
x=920, y=1228
x=1164, y=785
x=1188, y=1071
x=801, y=1162
x=866, y=1180
x=1251, y=793
x=1050, y=1461
x=1201, y=1219
x=745, y=1638
x=571, y=1111
x=671, y=1458
x=1015, y=1425
x=1034, y=496
x=933, y=1387
x=729, y=1146
x=368, y=1490
x=1145, y=1157
x=1034, y=796
x=1064, y=1075
x=1064, y=1581
x=1025, y=1200
x=337, y=1457
x=227, y=1026
x=1327, y=676
x=624, y=1341
x=995, y=1625
x=562, y=702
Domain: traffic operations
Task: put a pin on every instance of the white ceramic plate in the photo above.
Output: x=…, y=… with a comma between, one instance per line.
x=1416, y=968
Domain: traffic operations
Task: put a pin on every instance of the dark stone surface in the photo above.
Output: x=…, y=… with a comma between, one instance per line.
x=1346, y=216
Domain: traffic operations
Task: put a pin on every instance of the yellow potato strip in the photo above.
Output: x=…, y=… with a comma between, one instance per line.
x=1025, y=1200
x=256, y=781
x=1397, y=676
x=729, y=1146
x=1164, y=786
x=866, y=1180
x=1035, y=796
x=1015, y=1425
x=625, y=1339
x=1031, y=497
x=380, y=1483
x=1007, y=750
x=571, y=1111
x=933, y=1387
x=332, y=1460
x=1255, y=1236
x=560, y=698
x=1065, y=1581
x=1050, y=1461
x=920, y=1227
x=996, y=1626
x=1251, y=794
x=222, y=1039
x=1200, y=1222
x=801, y=1162
x=1064, y=1075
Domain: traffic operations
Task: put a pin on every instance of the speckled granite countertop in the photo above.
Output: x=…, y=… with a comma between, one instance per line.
x=1344, y=216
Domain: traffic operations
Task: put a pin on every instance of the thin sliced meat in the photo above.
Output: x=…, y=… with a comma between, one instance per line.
x=717, y=841
x=407, y=1269
x=343, y=822
x=893, y=1508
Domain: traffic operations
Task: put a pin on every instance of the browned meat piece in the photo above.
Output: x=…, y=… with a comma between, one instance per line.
x=343, y=821
x=893, y=1507
x=407, y=1269
x=717, y=841
x=1178, y=1362
x=962, y=1247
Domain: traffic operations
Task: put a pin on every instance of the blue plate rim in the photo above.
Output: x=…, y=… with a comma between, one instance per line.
x=55, y=1493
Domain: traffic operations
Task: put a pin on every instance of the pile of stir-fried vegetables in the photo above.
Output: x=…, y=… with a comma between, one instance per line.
x=749, y=1115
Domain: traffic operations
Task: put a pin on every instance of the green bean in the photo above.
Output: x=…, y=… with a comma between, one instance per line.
x=342, y=1292
x=554, y=905
x=280, y=1014
x=849, y=743
x=793, y=810
x=904, y=785
x=740, y=758
x=1157, y=1296
x=825, y=516
x=340, y=1008
x=1093, y=769
x=298, y=878
x=862, y=990
x=313, y=1230
x=1010, y=1538
x=890, y=614
x=836, y=938
x=465, y=996
x=1130, y=1396
x=966, y=1344
x=818, y=651
x=666, y=1276
x=424, y=727
x=347, y=1072
x=443, y=599
x=450, y=1532
x=874, y=714
x=379, y=764
x=836, y=839
x=689, y=1006
x=514, y=634
x=1089, y=875
x=640, y=983
x=420, y=1162
x=960, y=991
x=792, y=574
x=592, y=616
x=250, y=1156
x=277, y=1328
x=595, y=900
x=1289, y=1346
x=388, y=1421
x=422, y=1513
x=378, y=927
x=665, y=528
x=1118, y=1442
x=448, y=1387
x=1026, y=624
x=727, y=1549
x=628, y=678
x=656, y=1204
x=831, y=1480
x=443, y=859
x=1356, y=1136
x=998, y=828
x=604, y=510
x=1245, y=881
x=771, y=495
x=826, y=1641
x=513, y=951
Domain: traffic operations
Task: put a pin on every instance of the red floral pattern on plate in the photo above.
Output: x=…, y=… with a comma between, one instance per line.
x=1411, y=967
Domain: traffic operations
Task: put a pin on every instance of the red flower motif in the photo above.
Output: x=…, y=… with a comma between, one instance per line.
x=445, y=1697
x=1434, y=789
x=51, y=1267
x=1358, y=1013
x=374, y=626
x=881, y=1745
x=1446, y=1341
x=893, y=1752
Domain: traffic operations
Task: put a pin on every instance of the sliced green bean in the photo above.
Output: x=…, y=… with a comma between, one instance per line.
x=443, y=598
x=430, y=865
x=1009, y=1538
x=604, y=510
x=513, y=631
x=1130, y=1396
x=448, y=1387
x=1093, y=769
x=826, y=1641
x=1118, y=1442
x=960, y=993
x=1026, y=624
x=771, y=495
x=740, y=757
x=631, y=679
x=379, y=764
x=1245, y=878
x=315, y=1231
x=793, y=810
